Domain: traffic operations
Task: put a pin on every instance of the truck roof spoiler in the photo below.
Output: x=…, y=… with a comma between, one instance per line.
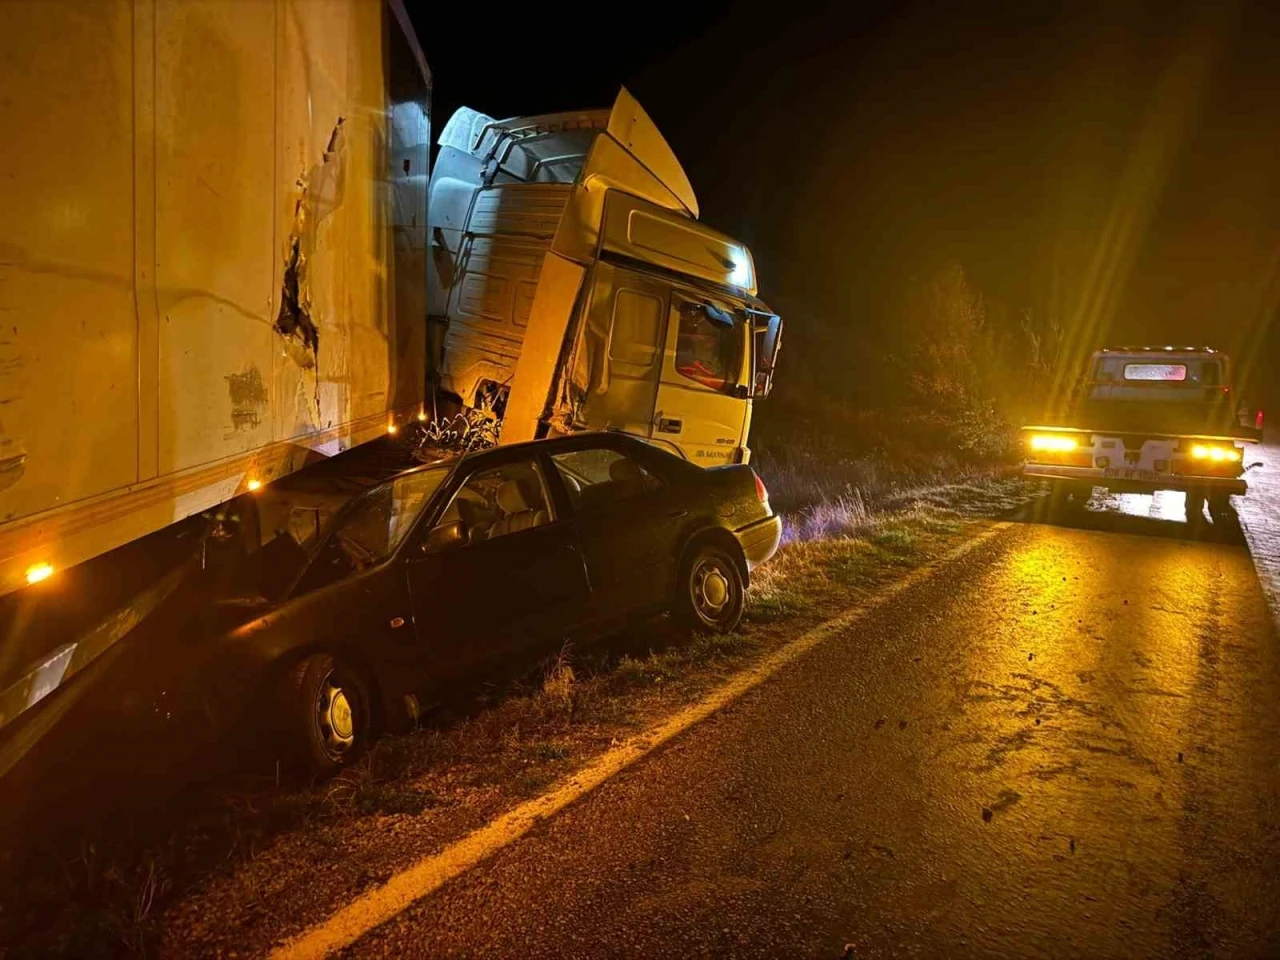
x=557, y=139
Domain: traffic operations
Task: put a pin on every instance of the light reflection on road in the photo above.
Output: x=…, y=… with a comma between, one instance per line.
x=1259, y=513
x=1260, y=516
x=1164, y=505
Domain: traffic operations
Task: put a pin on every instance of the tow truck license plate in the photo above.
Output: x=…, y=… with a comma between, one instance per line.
x=1130, y=473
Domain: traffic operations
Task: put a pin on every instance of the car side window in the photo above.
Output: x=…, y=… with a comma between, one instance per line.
x=598, y=477
x=499, y=501
x=381, y=518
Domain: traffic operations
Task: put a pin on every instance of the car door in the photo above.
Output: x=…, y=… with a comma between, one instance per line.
x=630, y=518
x=498, y=570
x=351, y=589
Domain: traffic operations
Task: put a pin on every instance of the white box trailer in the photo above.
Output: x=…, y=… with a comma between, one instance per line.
x=573, y=287
x=212, y=255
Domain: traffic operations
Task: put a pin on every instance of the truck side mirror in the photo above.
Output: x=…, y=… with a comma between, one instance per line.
x=767, y=329
x=446, y=536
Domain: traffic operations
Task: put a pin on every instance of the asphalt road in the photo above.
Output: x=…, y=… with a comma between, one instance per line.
x=1066, y=743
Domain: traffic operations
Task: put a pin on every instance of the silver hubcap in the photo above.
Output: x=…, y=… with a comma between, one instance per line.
x=335, y=718
x=711, y=589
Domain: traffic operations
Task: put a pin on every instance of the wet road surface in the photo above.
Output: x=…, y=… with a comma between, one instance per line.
x=1260, y=514
x=1065, y=743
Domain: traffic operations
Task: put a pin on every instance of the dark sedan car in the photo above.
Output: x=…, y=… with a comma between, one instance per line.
x=450, y=571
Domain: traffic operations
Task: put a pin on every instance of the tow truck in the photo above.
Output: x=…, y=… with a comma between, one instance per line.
x=1143, y=419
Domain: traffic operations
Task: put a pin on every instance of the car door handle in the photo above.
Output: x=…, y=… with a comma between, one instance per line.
x=670, y=425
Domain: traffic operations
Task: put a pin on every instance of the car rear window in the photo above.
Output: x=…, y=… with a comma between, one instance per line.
x=1155, y=371
x=1144, y=372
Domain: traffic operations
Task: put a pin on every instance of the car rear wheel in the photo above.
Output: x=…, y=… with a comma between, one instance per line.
x=327, y=715
x=1067, y=495
x=1195, y=506
x=711, y=592
x=1220, y=508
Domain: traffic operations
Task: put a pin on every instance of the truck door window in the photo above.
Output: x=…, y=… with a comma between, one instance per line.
x=709, y=346
x=633, y=338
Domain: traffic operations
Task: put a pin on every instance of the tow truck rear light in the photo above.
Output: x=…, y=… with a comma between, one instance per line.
x=1214, y=453
x=1052, y=443
x=761, y=492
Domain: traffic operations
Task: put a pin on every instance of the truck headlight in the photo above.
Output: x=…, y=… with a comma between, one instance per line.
x=1052, y=443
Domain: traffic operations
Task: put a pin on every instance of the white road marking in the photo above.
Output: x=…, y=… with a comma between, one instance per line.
x=431, y=873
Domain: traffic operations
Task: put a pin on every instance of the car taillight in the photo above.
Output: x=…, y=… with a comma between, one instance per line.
x=761, y=491
x=1257, y=421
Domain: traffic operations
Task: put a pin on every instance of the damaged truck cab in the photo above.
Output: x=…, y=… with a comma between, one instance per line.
x=572, y=286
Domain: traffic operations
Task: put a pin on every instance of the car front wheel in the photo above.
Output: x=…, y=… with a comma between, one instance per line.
x=711, y=591
x=327, y=714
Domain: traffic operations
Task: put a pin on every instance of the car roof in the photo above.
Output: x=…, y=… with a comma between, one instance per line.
x=572, y=441
x=1146, y=352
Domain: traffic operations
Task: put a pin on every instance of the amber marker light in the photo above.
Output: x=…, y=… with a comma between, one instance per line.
x=254, y=485
x=39, y=571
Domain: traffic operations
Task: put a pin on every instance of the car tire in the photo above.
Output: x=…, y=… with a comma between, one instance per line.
x=1068, y=495
x=1195, y=507
x=711, y=593
x=327, y=714
x=1220, y=508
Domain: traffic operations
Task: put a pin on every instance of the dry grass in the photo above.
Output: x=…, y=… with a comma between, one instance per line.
x=824, y=495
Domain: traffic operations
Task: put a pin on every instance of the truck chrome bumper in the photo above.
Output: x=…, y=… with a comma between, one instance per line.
x=760, y=540
x=1229, y=485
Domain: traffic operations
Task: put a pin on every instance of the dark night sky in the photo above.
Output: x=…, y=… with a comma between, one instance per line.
x=1113, y=163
